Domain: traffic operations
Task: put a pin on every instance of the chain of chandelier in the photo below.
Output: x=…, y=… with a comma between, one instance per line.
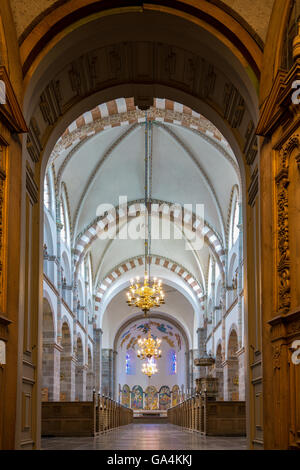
x=146, y=295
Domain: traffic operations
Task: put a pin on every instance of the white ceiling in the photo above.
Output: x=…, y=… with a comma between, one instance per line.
x=187, y=168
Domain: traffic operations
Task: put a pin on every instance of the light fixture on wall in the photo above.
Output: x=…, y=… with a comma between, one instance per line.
x=149, y=368
x=146, y=295
x=149, y=347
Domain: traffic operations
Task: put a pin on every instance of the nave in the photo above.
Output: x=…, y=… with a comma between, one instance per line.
x=146, y=437
x=149, y=222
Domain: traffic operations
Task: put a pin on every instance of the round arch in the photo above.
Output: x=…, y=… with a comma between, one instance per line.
x=113, y=217
x=234, y=114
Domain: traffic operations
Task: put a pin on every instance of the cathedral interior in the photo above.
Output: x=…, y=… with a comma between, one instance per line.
x=149, y=224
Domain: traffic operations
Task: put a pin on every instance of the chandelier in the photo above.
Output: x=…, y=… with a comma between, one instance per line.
x=149, y=347
x=146, y=295
x=149, y=368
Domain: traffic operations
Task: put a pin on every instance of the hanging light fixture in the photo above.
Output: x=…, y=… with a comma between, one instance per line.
x=146, y=295
x=149, y=368
x=149, y=347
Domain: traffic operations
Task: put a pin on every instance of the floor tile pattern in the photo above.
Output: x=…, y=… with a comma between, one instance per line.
x=146, y=437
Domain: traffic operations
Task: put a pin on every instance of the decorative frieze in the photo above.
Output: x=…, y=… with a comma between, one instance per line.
x=140, y=62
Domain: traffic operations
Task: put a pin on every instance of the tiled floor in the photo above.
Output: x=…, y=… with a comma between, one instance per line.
x=146, y=437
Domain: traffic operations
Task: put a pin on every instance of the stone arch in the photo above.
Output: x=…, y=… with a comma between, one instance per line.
x=89, y=124
x=42, y=138
x=133, y=263
x=97, y=227
x=155, y=315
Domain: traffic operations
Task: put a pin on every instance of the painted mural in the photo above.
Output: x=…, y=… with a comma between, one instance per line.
x=137, y=398
x=138, y=330
x=126, y=396
x=151, y=398
x=164, y=397
x=175, y=395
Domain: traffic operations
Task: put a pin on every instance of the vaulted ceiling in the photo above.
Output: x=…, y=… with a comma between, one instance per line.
x=98, y=161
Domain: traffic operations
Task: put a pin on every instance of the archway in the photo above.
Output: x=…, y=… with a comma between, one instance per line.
x=172, y=366
x=176, y=77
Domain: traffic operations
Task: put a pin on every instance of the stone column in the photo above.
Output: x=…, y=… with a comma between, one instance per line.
x=213, y=295
x=51, y=370
x=231, y=386
x=114, y=374
x=80, y=382
x=89, y=385
x=202, y=333
x=67, y=378
x=107, y=372
x=241, y=361
x=98, y=358
x=240, y=279
x=58, y=263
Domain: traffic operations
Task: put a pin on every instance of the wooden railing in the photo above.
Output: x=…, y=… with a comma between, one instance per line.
x=84, y=418
x=210, y=417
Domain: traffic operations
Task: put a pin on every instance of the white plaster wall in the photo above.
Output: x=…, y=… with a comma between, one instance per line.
x=163, y=376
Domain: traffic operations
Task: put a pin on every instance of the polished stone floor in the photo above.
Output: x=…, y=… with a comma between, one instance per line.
x=146, y=437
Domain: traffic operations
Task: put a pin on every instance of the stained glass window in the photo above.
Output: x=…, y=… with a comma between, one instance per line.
x=172, y=362
x=130, y=363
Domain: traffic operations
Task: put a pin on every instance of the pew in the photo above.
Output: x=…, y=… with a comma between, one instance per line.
x=88, y=418
x=210, y=417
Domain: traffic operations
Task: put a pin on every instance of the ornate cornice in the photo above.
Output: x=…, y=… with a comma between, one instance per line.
x=10, y=112
x=278, y=109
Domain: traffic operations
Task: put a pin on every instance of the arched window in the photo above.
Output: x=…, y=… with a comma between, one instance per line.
x=63, y=222
x=130, y=362
x=172, y=362
x=235, y=228
x=234, y=218
x=64, y=216
x=47, y=193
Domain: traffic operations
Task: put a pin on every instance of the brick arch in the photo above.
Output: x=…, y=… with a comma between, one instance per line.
x=166, y=111
x=122, y=112
x=94, y=230
x=137, y=261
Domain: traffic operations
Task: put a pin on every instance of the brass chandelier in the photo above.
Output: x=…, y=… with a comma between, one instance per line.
x=149, y=368
x=149, y=347
x=146, y=295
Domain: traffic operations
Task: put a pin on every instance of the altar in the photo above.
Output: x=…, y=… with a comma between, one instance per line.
x=150, y=416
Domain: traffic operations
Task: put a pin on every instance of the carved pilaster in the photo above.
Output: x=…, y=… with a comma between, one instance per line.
x=283, y=245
